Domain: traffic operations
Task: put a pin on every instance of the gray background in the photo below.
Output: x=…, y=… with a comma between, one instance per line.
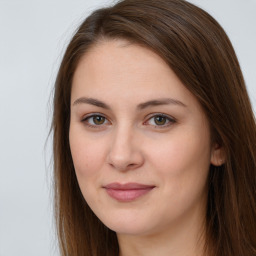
x=33, y=37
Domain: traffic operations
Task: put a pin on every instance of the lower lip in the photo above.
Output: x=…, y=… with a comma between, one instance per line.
x=127, y=195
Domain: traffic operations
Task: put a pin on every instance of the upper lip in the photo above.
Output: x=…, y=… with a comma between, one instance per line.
x=127, y=186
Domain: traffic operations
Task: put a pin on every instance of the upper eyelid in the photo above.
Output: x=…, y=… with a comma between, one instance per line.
x=95, y=126
x=148, y=117
x=161, y=114
x=94, y=114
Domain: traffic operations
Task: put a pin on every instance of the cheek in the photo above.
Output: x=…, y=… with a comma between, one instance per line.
x=87, y=155
x=182, y=165
x=183, y=154
x=185, y=147
x=183, y=160
x=88, y=158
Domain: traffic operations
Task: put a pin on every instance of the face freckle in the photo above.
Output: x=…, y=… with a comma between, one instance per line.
x=138, y=176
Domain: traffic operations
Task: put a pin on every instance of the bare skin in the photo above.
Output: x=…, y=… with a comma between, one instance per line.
x=133, y=121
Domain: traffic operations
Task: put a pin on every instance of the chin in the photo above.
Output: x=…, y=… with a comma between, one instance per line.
x=132, y=229
x=129, y=225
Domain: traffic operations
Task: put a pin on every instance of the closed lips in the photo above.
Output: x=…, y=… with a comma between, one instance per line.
x=128, y=186
x=127, y=192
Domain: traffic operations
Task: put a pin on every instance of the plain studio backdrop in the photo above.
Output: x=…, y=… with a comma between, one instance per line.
x=33, y=37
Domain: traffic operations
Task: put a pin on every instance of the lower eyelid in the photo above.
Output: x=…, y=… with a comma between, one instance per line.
x=85, y=121
x=169, y=119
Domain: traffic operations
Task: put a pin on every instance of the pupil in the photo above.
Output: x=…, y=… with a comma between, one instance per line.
x=160, y=120
x=98, y=120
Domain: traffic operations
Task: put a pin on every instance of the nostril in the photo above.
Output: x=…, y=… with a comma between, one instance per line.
x=132, y=165
x=124, y=154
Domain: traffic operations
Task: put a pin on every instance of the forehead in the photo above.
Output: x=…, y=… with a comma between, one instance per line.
x=116, y=68
x=117, y=57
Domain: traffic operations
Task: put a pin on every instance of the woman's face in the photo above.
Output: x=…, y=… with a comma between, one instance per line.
x=139, y=139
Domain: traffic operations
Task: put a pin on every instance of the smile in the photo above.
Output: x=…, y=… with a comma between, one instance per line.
x=127, y=192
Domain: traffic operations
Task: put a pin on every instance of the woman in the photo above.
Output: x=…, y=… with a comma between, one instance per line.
x=154, y=136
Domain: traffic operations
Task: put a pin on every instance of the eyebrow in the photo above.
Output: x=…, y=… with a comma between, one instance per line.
x=141, y=106
x=91, y=101
x=159, y=102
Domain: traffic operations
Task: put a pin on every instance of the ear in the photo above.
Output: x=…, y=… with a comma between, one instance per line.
x=218, y=156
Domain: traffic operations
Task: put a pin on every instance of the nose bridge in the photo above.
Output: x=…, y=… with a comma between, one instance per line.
x=122, y=137
x=124, y=153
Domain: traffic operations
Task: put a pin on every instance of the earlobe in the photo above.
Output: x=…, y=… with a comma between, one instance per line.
x=218, y=157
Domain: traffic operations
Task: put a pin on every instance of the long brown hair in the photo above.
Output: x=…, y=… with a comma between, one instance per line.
x=197, y=49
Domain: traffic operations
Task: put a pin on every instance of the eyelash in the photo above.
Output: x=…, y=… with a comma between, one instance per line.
x=95, y=126
x=169, y=120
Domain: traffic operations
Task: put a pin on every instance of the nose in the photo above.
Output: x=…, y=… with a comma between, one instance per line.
x=125, y=152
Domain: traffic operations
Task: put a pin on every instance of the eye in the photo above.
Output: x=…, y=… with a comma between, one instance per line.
x=95, y=120
x=160, y=120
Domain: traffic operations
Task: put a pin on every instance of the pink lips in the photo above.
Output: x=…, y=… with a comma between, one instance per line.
x=127, y=192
